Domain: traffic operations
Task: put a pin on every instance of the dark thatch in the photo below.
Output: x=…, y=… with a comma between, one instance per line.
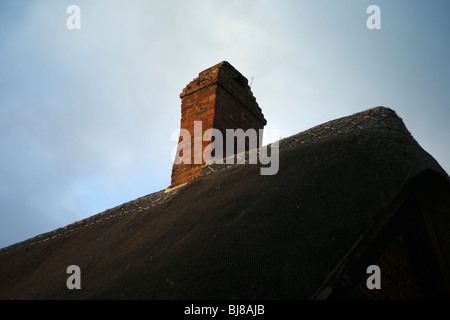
x=232, y=233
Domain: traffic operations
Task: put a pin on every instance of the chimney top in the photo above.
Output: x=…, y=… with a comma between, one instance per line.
x=226, y=76
x=205, y=78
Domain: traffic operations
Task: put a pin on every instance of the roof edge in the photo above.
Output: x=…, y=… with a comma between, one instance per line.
x=134, y=206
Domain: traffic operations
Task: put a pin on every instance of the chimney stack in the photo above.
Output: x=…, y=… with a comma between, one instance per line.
x=220, y=98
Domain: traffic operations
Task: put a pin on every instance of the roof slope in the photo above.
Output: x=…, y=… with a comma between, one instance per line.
x=232, y=233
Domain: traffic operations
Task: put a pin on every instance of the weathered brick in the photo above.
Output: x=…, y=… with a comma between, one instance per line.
x=221, y=98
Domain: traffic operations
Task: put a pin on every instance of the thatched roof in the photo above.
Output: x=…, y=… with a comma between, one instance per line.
x=232, y=233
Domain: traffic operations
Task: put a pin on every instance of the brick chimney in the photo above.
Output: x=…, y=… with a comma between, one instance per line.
x=220, y=98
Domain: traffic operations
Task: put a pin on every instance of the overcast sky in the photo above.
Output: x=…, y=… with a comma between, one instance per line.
x=86, y=116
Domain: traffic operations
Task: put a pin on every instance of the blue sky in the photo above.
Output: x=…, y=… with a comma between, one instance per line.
x=86, y=116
